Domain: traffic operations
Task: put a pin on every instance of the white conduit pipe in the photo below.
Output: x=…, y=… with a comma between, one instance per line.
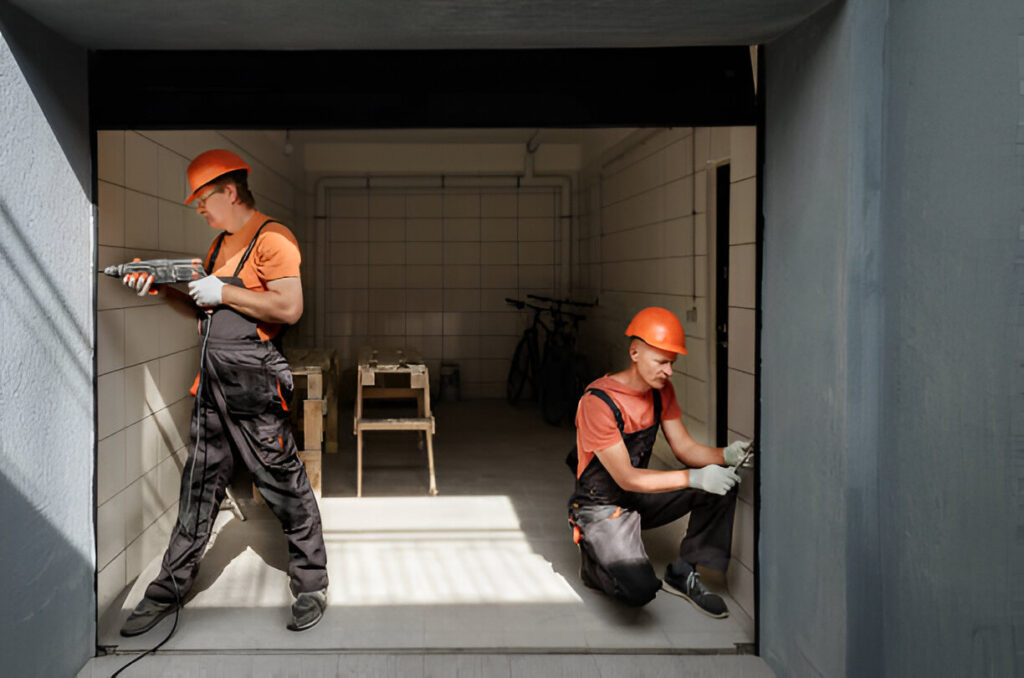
x=567, y=211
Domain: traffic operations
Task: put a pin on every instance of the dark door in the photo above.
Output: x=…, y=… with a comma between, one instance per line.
x=721, y=304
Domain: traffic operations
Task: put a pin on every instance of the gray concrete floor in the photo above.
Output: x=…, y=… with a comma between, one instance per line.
x=486, y=568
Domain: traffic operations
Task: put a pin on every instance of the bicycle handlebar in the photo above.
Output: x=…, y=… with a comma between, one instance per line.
x=569, y=302
x=556, y=313
x=522, y=304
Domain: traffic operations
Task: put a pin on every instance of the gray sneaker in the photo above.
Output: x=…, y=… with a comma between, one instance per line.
x=689, y=586
x=145, y=616
x=308, y=609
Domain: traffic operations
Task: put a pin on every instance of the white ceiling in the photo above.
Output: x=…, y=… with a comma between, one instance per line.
x=415, y=24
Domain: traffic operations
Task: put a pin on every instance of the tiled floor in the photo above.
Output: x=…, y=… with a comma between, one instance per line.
x=487, y=567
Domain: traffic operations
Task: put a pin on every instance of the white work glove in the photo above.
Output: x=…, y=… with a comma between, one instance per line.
x=734, y=452
x=713, y=478
x=206, y=291
x=139, y=283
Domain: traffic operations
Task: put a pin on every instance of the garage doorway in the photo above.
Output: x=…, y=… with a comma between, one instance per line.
x=625, y=226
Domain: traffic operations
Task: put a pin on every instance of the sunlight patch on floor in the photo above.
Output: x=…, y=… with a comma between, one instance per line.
x=404, y=551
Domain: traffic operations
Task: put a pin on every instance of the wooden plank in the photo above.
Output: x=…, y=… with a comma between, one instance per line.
x=311, y=459
x=396, y=424
x=388, y=357
x=313, y=424
x=389, y=392
x=315, y=385
x=331, y=432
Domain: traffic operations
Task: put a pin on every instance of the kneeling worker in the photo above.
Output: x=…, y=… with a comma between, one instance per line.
x=242, y=392
x=617, y=495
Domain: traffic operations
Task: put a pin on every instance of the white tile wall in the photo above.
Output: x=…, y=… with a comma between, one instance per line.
x=741, y=404
x=743, y=153
x=424, y=230
x=742, y=270
x=439, y=264
x=742, y=219
x=741, y=339
x=146, y=353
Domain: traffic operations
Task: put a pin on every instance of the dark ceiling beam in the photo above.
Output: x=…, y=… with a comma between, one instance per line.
x=681, y=86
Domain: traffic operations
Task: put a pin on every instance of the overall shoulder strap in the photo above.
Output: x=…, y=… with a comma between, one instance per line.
x=252, y=243
x=611, y=404
x=215, y=252
x=657, y=406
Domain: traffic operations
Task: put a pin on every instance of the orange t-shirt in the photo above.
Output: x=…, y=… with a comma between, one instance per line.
x=275, y=255
x=596, y=428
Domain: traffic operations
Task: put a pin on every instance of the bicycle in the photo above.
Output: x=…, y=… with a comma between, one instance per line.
x=555, y=370
x=526, y=359
x=564, y=371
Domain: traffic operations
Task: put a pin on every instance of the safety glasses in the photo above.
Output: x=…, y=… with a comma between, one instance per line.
x=201, y=202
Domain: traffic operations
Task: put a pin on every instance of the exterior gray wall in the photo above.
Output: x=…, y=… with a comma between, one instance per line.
x=47, y=276
x=952, y=481
x=891, y=342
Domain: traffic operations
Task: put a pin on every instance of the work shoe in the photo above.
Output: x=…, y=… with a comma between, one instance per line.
x=308, y=609
x=689, y=586
x=145, y=616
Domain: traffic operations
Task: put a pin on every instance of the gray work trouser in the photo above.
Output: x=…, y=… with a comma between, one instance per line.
x=612, y=553
x=265, y=444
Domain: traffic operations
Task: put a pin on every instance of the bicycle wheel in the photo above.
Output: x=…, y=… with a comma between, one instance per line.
x=518, y=372
x=556, y=386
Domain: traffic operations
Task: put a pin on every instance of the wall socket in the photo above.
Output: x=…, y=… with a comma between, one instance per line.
x=691, y=315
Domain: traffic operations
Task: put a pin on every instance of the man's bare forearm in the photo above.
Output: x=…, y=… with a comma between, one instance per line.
x=275, y=305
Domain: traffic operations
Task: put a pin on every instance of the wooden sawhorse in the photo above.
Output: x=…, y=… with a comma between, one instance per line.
x=410, y=380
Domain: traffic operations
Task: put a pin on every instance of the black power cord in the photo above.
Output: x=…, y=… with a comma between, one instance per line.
x=199, y=413
x=177, y=602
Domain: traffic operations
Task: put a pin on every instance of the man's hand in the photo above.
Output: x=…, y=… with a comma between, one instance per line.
x=713, y=478
x=735, y=452
x=140, y=283
x=206, y=291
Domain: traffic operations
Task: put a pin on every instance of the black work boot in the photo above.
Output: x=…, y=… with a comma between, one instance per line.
x=683, y=580
x=308, y=609
x=145, y=616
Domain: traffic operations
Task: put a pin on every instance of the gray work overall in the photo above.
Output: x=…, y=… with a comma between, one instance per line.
x=241, y=408
x=607, y=520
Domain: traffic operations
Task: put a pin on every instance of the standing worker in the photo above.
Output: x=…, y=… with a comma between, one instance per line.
x=617, y=495
x=242, y=391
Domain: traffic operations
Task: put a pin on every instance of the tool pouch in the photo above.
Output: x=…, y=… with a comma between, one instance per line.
x=243, y=377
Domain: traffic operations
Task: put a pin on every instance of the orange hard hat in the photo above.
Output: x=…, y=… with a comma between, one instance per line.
x=660, y=328
x=209, y=165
